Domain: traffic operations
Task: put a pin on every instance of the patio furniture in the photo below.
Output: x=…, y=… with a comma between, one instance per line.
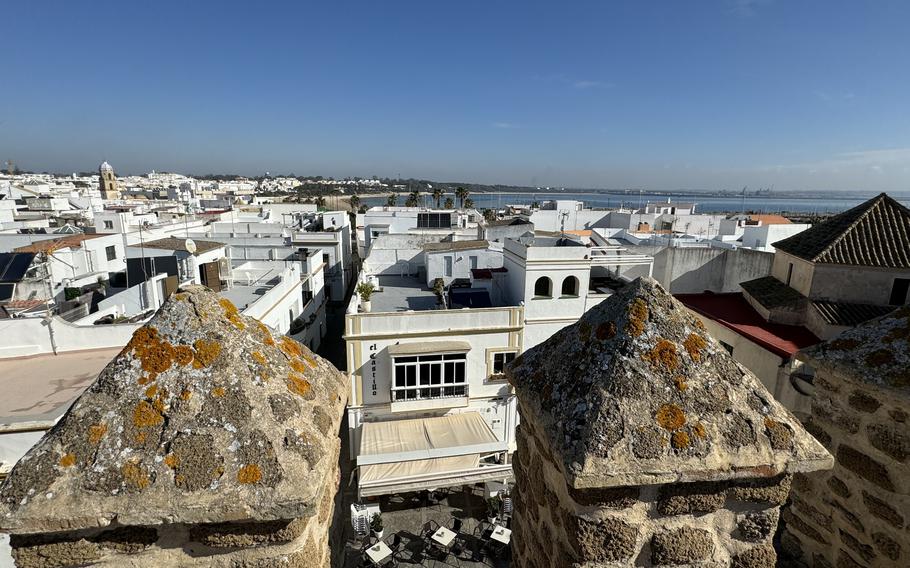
x=428, y=529
x=379, y=553
x=443, y=537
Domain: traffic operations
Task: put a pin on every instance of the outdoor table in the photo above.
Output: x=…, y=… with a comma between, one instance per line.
x=501, y=534
x=443, y=536
x=378, y=552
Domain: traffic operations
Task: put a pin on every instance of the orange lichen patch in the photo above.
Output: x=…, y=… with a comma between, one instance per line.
x=606, y=330
x=140, y=438
x=145, y=415
x=186, y=394
x=258, y=357
x=680, y=440
x=155, y=354
x=171, y=460
x=290, y=347
x=96, y=432
x=158, y=402
x=694, y=345
x=680, y=382
x=670, y=417
x=310, y=360
x=146, y=379
x=879, y=357
x=67, y=460
x=700, y=325
x=699, y=430
x=266, y=334
x=218, y=392
x=206, y=352
x=664, y=353
x=298, y=365
x=232, y=314
x=183, y=355
x=249, y=474
x=181, y=296
x=844, y=344
x=298, y=385
x=135, y=475
x=638, y=316
x=151, y=391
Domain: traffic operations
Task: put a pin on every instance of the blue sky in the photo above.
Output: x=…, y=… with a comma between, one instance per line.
x=661, y=95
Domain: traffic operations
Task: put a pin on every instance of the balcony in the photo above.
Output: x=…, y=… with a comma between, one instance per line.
x=429, y=397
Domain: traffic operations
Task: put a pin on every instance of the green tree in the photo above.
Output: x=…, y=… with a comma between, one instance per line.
x=413, y=199
x=355, y=202
x=461, y=194
x=449, y=203
x=320, y=202
x=467, y=203
x=437, y=195
x=489, y=214
x=392, y=199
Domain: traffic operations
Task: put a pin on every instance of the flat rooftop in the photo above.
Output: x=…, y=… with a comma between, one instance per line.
x=41, y=388
x=402, y=293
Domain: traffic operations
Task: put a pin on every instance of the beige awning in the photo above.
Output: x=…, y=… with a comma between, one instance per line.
x=405, y=455
x=427, y=347
x=426, y=438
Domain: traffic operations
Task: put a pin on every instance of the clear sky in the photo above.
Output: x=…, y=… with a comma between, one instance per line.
x=660, y=95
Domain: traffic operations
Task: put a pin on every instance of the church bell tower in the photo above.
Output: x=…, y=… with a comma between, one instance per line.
x=108, y=184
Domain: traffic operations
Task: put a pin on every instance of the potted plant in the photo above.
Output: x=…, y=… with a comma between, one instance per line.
x=439, y=288
x=493, y=509
x=376, y=525
x=365, y=290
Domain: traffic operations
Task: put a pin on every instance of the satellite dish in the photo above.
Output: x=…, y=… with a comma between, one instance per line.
x=190, y=246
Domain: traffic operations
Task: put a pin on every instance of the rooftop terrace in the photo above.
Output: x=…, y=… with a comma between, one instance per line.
x=402, y=293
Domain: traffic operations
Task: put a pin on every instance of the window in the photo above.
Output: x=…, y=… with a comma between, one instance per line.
x=543, y=288
x=111, y=252
x=899, y=291
x=108, y=224
x=500, y=360
x=473, y=262
x=434, y=220
x=429, y=376
x=448, y=261
x=325, y=258
x=570, y=286
x=789, y=273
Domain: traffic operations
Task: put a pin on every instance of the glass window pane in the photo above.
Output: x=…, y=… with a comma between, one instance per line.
x=424, y=373
x=399, y=376
x=459, y=372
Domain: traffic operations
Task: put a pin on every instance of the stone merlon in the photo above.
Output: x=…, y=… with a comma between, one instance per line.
x=204, y=417
x=641, y=394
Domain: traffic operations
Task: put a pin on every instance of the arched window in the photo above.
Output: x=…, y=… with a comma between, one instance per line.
x=570, y=286
x=543, y=288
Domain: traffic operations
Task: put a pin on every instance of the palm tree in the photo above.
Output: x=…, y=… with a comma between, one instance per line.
x=449, y=203
x=355, y=202
x=413, y=199
x=462, y=194
x=320, y=202
x=467, y=203
x=437, y=195
x=392, y=199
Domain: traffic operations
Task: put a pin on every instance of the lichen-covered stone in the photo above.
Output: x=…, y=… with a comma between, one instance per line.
x=890, y=441
x=795, y=522
x=886, y=545
x=863, y=402
x=77, y=549
x=694, y=498
x=237, y=535
x=612, y=410
x=769, y=490
x=883, y=510
x=757, y=526
x=608, y=540
x=683, y=546
x=864, y=466
x=183, y=427
x=838, y=487
x=863, y=550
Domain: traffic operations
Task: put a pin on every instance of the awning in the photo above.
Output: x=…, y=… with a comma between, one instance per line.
x=407, y=455
x=427, y=347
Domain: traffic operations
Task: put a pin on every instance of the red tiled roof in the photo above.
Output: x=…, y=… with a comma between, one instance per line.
x=771, y=219
x=24, y=304
x=734, y=312
x=69, y=241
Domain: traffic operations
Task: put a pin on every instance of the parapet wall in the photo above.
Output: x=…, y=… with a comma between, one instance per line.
x=206, y=442
x=708, y=524
x=858, y=513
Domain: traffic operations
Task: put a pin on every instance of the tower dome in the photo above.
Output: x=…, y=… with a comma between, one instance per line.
x=105, y=167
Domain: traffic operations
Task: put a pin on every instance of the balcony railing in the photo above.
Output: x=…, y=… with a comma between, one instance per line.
x=429, y=392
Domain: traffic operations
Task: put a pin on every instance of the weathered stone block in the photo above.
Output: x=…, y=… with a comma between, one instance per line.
x=758, y=526
x=844, y=560
x=608, y=540
x=246, y=534
x=762, y=556
x=770, y=490
x=795, y=522
x=51, y=550
x=819, y=433
x=820, y=519
x=890, y=441
x=838, y=487
x=606, y=497
x=886, y=545
x=684, y=498
x=864, y=466
x=865, y=551
x=863, y=402
x=883, y=510
x=828, y=412
x=683, y=546
x=848, y=516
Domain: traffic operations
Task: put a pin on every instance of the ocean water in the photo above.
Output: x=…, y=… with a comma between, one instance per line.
x=704, y=204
